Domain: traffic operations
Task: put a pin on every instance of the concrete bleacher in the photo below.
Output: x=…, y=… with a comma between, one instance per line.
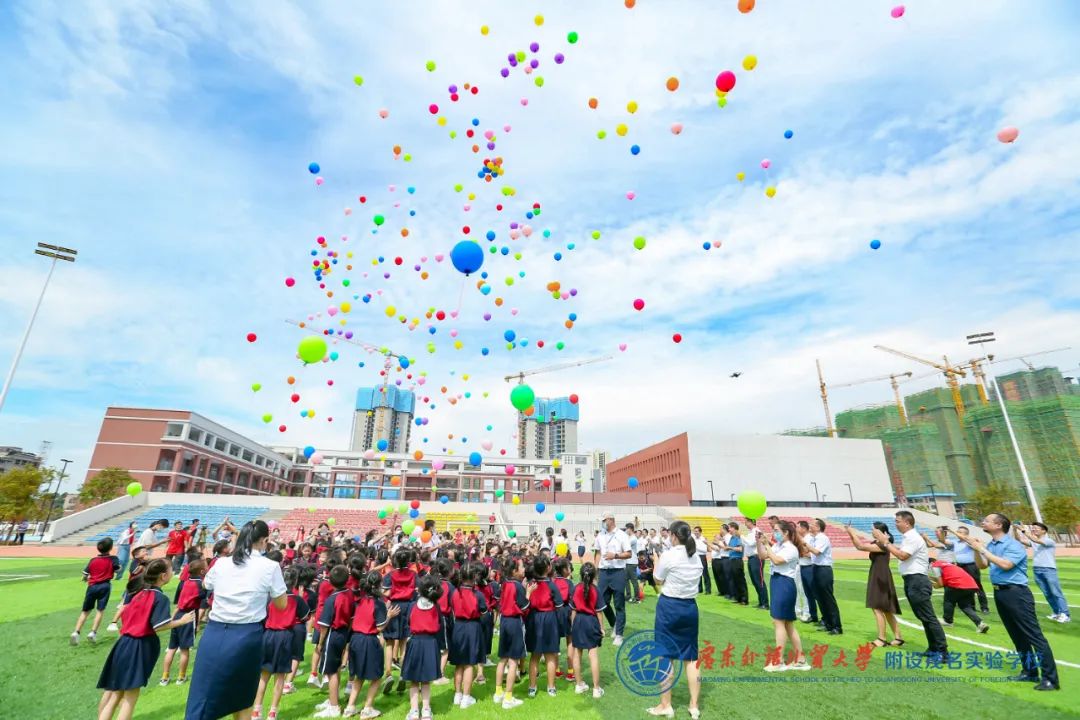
x=353, y=522
x=210, y=516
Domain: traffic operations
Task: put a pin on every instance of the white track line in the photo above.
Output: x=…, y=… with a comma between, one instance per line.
x=918, y=626
x=13, y=578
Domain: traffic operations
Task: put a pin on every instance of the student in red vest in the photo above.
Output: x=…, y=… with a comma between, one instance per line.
x=490, y=590
x=191, y=598
x=447, y=573
x=132, y=658
x=277, y=660
x=565, y=586
x=420, y=666
x=98, y=575
x=334, y=624
x=587, y=629
x=543, y=603
x=366, y=653
x=325, y=590
x=400, y=588
x=513, y=604
x=960, y=589
x=467, y=605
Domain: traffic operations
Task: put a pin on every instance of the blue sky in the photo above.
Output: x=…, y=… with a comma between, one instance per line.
x=170, y=145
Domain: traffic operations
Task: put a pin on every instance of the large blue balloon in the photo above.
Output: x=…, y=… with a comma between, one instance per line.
x=467, y=256
x=476, y=459
x=309, y=451
x=382, y=445
x=540, y=507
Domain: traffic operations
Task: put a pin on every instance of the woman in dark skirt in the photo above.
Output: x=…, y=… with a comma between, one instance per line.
x=228, y=664
x=784, y=556
x=676, y=622
x=586, y=629
x=132, y=658
x=881, y=594
x=420, y=667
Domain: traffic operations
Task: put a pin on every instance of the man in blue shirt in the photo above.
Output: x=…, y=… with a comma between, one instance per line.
x=1007, y=560
x=965, y=560
x=1044, y=566
x=734, y=545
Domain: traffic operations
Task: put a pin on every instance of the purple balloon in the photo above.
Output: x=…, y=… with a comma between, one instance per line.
x=534, y=63
x=505, y=72
x=559, y=57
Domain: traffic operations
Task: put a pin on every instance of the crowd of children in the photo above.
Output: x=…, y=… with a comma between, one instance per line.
x=380, y=611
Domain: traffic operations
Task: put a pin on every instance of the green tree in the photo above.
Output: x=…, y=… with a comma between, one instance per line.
x=1061, y=512
x=997, y=498
x=106, y=485
x=19, y=491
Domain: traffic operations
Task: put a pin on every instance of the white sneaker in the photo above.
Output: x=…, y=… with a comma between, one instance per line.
x=288, y=689
x=581, y=688
x=348, y=687
x=776, y=668
x=467, y=701
x=457, y=699
x=498, y=698
x=1054, y=617
x=532, y=692
x=597, y=693
x=412, y=715
x=1063, y=618
x=551, y=692
x=74, y=638
x=441, y=681
x=313, y=680
x=512, y=702
x=163, y=682
x=944, y=623
x=92, y=636
x=387, y=684
x=425, y=714
x=350, y=712
x=323, y=705
x=369, y=713
x=799, y=665
x=488, y=663
x=330, y=712
x=617, y=642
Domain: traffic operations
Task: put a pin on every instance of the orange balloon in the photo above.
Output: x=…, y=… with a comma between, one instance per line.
x=404, y=232
x=498, y=302
x=593, y=102
x=673, y=84
x=425, y=536
x=529, y=411
x=291, y=380
x=746, y=6
x=569, y=324
x=424, y=275
x=418, y=455
x=629, y=3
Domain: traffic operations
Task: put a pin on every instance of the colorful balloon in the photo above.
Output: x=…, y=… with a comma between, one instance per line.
x=312, y=349
x=632, y=483
x=752, y=504
x=467, y=257
x=522, y=397
x=725, y=81
x=1008, y=134
x=898, y=12
x=134, y=488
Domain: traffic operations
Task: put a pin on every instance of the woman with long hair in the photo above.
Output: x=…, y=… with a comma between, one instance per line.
x=881, y=594
x=229, y=661
x=676, y=621
x=784, y=555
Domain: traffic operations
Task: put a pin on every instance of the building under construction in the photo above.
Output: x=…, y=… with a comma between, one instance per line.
x=938, y=450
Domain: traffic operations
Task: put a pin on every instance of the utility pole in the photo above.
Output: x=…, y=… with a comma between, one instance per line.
x=56, y=253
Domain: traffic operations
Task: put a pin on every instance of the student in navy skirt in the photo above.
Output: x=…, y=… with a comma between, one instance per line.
x=513, y=604
x=366, y=654
x=420, y=667
x=399, y=587
x=277, y=659
x=306, y=575
x=190, y=598
x=490, y=591
x=447, y=575
x=784, y=555
x=334, y=623
x=565, y=586
x=132, y=658
x=229, y=661
x=675, y=624
x=467, y=605
x=586, y=629
x=543, y=603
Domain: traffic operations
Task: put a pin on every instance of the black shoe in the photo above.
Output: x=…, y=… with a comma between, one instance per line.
x=985, y=611
x=1047, y=685
x=834, y=631
x=1024, y=677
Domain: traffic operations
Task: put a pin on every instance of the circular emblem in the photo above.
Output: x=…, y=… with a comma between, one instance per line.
x=641, y=668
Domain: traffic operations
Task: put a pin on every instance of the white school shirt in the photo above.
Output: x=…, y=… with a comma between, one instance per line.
x=242, y=592
x=613, y=542
x=919, y=562
x=725, y=538
x=808, y=539
x=824, y=546
x=632, y=560
x=148, y=538
x=702, y=545
x=665, y=543
x=790, y=555
x=679, y=572
x=750, y=541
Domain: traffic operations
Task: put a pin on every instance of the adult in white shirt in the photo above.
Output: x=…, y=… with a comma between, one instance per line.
x=665, y=540
x=784, y=555
x=701, y=549
x=149, y=538
x=821, y=552
x=756, y=566
x=636, y=543
x=676, y=622
x=611, y=549
x=805, y=603
x=433, y=542
x=228, y=664
x=914, y=564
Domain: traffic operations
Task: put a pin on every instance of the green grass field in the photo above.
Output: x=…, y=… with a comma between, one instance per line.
x=41, y=676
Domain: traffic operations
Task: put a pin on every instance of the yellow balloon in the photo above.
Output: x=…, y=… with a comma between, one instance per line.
x=740, y=176
x=346, y=307
x=631, y=107
x=621, y=129
x=391, y=311
x=442, y=122
x=749, y=62
x=457, y=345
x=484, y=30
x=561, y=549
x=516, y=500
x=556, y=463
x=770, y=191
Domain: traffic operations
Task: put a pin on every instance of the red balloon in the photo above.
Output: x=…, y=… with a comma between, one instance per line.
x=639, y=304
x=251, y=337
x=573, y=398
x=281, y=428
x=546, y=483
x=725, y=81
x=677, y=337
x=415, y=504
x=295, y=397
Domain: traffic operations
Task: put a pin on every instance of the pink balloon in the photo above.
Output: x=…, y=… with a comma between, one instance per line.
x=437, y=464
x=331, y=311
x=676, y=128
x=630, y=195
x=639, y=304
x=439, y=258
x=513, y=311
x=319, y=181
x=766, y=163
x=898, y=11
x=316, y=459
x=510, y=469
x=526, y=231
x=453, y=333
x=384, y=113
x=506, y=128
x=488, y=134
x=524, y=101
x=622, y=347
x=1008, y=134
x=487, y=444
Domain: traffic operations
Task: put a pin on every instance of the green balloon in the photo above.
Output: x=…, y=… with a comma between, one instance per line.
x=382, y=514
x=752, y=504
x=572, y=38
x=358, y=80
x=407, y=527
x=403, y=508
x=267, y=418
x=256, y=387
x=639, y=243
x=379, y=219
x=560, y=345
x=134, y=489
x=511, y=533
x=312, y=349
x=522, y=397
x=499, y=492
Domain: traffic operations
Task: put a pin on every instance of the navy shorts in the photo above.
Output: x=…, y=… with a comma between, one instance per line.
x=511, y=638
x=337, y=641
x=97, y=594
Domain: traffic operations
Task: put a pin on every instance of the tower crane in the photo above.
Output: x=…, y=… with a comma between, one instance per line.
x=950, y=371
x=892, y=378
x=552, y=368
x=976, y=367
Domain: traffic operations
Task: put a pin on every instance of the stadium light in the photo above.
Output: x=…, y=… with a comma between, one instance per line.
x=56, y=253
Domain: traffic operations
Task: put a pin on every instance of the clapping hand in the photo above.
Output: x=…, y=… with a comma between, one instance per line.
x=880, y=536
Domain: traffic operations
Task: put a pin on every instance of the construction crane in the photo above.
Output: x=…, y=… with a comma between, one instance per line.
x=976, y=367
x=951, y=374
x=825, y=394
x=552, y=368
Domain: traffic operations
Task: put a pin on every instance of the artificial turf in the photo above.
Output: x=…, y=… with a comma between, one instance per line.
x=42, y=676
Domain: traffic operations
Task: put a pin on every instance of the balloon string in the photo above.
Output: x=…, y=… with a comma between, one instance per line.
x=461, y=294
